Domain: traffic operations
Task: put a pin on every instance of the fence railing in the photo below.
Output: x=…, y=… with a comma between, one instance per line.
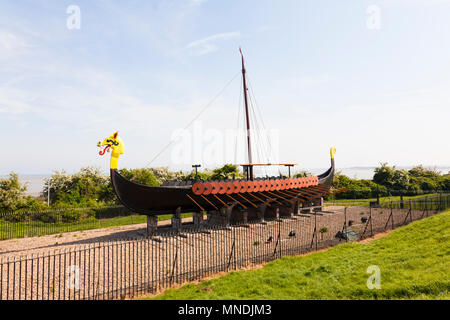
x=371, y=193
x=32, y=224
x=388, y=201
x=129, y=268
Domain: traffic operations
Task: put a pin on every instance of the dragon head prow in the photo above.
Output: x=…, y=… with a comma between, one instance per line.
x=116, y=144
x=112, y=142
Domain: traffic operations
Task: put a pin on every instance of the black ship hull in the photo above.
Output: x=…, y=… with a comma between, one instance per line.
x=150, y=200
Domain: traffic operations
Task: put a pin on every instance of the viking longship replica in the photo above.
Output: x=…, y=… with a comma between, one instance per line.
x=251, y=197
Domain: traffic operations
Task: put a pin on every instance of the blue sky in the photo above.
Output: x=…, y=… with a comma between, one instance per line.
x=321, y=77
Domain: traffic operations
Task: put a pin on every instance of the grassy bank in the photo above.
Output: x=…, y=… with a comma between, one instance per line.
x=414, y=263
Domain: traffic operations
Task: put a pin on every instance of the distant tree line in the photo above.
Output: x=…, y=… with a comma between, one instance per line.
x=90, y=188
x=392, y=181
x=12, y=196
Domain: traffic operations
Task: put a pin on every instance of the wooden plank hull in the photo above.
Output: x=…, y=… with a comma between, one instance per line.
x=149, y=200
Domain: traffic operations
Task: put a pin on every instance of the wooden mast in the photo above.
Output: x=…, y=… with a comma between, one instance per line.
x=250, y=167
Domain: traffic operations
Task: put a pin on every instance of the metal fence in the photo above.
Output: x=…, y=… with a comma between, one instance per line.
x=34, y=224
x=376, y=193
x=359, y=198
x=31, y=224
x=129, y=268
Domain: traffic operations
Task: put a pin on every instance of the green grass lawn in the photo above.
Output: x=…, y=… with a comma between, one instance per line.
x=10, y=230
x=414, y=262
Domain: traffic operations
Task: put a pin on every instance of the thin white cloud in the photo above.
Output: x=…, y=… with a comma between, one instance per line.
x=10, y=44
x=264, y=28
x=306, y=81
x=414, y=2
x=13, y=102
x=209, y=44
x=196, y=2
x=292, y=85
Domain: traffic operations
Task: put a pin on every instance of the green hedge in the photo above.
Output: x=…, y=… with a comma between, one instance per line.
x=68, y=215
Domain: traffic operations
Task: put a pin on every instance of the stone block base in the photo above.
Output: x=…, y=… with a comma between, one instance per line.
x=152, y=225
x=176, y=220
x=217, y=218
x=197, y=218
x=286, y=211
x=318, y=202
x=271, y=213
x=176, y=223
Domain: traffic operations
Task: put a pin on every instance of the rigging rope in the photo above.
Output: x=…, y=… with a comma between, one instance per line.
x=237, y=127
x=258, y=138
x=263, y=151
x=270, y=150
x=267, y=147
x=192, y=121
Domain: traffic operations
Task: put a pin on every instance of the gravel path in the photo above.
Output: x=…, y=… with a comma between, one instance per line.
x=39, y=245
x=63, y=241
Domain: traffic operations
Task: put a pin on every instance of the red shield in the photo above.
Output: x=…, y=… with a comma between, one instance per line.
x=198, y=188
x=208, y=188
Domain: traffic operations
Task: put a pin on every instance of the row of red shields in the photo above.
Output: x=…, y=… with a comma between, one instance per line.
x=222, y=187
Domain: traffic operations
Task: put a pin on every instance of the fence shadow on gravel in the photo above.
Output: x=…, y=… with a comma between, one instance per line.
x=129, y=268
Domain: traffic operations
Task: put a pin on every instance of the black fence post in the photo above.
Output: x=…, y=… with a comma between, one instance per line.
x=392, y=213
x=410, y=210
x=378, y=196
x=345, y=223
x=315, y=228
x=279, y=237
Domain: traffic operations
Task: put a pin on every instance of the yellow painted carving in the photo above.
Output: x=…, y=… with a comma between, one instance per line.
x=332, y=152
x=116, y=144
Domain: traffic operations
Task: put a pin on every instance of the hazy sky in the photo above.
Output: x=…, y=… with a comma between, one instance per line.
x=368, y=77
